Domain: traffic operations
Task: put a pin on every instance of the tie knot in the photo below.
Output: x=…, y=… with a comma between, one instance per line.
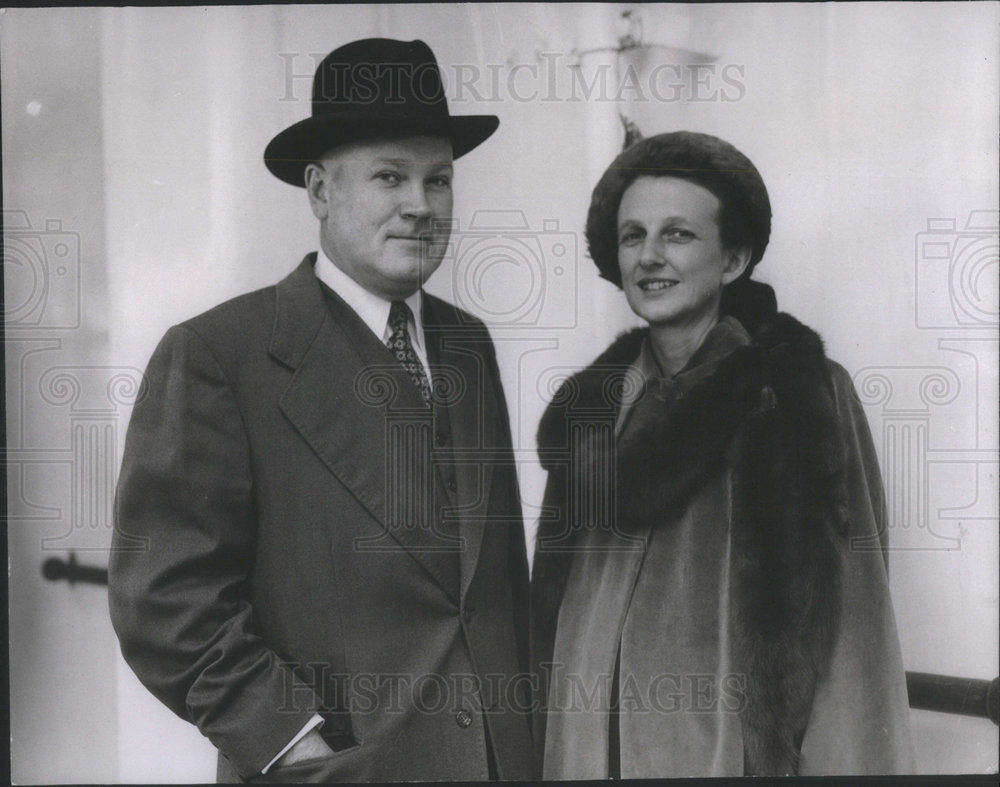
x=399, y=315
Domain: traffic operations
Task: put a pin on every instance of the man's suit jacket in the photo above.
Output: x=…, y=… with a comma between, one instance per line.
x=284, y=542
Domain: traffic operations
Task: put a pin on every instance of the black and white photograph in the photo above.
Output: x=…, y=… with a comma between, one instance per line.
x=501, y=392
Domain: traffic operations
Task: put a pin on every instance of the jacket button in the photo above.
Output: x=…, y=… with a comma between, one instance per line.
x=463, y=719
x=467, y=614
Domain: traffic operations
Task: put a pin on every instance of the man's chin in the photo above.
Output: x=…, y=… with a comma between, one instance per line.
x=412, y=274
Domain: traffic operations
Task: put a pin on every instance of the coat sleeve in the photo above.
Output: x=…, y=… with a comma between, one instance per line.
x=859, y=723
x=182, y=555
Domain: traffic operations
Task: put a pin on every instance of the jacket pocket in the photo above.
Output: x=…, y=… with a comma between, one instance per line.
x=318, y=769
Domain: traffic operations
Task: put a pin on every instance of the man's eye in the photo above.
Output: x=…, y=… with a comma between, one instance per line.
x=679, y=235
x=440, y=181
x=390, y=178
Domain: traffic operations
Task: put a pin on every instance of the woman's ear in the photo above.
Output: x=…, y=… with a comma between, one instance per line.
x=736, y=262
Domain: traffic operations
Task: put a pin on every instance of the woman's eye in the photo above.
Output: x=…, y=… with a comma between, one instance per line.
x=630, y=238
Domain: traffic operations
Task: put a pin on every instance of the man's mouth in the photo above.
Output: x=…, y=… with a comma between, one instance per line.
x=655, y=285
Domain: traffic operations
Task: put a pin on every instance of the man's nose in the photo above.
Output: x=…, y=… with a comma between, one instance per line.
x=416, y=206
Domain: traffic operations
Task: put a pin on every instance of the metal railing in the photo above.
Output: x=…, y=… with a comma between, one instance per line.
x=55, y=570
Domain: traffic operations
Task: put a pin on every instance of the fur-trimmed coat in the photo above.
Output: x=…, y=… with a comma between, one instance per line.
x=771, y=450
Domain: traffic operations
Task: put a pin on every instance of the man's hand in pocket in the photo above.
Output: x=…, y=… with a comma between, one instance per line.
x=310, y=747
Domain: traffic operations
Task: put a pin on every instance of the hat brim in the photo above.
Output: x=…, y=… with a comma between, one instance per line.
x=287, y=155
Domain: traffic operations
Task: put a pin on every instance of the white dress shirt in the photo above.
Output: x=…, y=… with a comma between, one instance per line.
x=373, y=309
x=374, y=312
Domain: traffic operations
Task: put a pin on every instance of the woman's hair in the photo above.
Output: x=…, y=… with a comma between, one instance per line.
x=714, y=164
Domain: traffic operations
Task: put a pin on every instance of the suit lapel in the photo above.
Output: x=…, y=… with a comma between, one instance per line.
x=458, y=363
x=351, y=401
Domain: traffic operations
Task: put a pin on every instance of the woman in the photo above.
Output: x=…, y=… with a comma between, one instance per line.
x=710, y=593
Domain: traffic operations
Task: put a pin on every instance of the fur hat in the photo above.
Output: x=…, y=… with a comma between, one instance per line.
x=745, y=217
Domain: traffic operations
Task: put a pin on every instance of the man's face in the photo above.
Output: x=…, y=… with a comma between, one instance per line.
x=385, y=210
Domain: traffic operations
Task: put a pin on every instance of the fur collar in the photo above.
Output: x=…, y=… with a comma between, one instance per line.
x=768, y=412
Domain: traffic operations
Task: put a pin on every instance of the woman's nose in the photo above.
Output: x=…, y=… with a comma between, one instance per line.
x=651, y=253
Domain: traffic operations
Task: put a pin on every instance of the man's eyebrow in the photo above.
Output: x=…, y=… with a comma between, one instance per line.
x=402, y=162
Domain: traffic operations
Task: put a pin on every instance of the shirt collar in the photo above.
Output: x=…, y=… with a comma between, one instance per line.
x=644, y=373
x=372, y=309
x=724, y=337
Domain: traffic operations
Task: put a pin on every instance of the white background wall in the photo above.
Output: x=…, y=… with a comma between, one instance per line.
x=141, y=132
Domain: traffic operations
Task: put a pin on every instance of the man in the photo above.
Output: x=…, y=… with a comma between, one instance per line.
x=319, y=557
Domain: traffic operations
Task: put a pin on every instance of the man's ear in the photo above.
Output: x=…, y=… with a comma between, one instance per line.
x=736, y=262
x=317, y=178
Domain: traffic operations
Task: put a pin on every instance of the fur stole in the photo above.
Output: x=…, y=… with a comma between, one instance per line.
x=768, y=413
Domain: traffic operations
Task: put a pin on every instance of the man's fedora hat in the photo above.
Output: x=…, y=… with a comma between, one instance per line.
x=376, y=87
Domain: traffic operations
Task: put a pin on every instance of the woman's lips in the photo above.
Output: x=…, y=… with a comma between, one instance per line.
x=656, y=285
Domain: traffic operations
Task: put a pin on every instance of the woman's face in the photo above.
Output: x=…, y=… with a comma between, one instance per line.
x=672, y=259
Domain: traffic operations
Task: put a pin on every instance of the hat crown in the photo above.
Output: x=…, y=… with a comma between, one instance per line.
x=368, y=89
x=379, y=76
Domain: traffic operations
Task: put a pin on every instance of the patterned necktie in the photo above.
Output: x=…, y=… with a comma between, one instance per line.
x=400, y=345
